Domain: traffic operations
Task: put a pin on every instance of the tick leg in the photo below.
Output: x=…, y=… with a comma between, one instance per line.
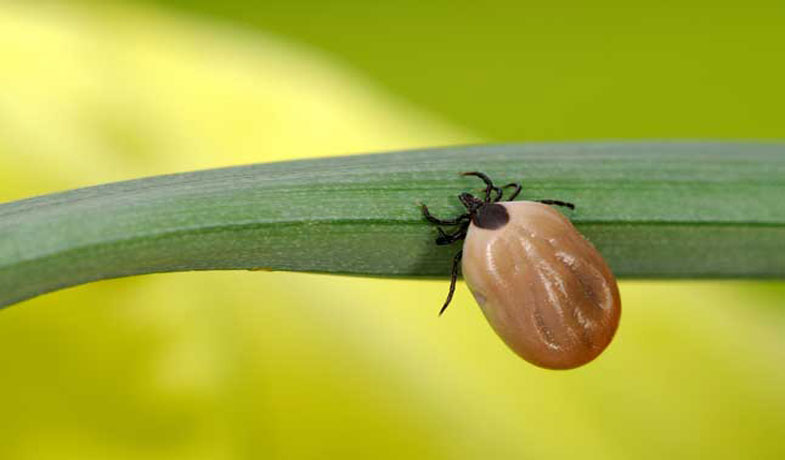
x=516, y=192
x=453, y=279
x=434, y=220
x=488, y=183
x=449, y=238
x=499, y=193
x=557, y=203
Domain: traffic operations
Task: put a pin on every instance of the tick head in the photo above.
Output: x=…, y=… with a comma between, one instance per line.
x=471, y=202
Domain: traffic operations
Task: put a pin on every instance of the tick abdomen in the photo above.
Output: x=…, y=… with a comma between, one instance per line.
x=543, y=287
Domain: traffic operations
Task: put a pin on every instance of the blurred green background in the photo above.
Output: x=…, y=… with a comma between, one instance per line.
x=260, y=365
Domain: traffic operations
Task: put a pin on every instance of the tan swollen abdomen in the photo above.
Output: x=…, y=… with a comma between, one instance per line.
x=543, y=287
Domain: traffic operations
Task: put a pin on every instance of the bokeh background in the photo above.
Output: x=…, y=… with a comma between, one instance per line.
x=279, y=365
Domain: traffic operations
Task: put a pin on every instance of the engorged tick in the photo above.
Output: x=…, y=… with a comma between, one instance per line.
x=543, y=287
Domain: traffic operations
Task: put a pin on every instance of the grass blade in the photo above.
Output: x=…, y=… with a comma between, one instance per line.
x=655, y=210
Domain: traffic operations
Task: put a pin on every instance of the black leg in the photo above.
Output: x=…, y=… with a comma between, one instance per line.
x=557, y=203
x=488, y=183
x=453, y=279
x=434, y=220
x=516, y=192
x=449, y=238
x=499, y=194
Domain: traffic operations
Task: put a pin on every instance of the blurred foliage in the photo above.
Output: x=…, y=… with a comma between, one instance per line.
x=248, y=365
x=513, y=70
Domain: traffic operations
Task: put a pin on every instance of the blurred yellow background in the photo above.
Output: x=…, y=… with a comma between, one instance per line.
x=258, y=365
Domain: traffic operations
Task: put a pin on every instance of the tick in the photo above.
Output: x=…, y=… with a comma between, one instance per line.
x=543, y=287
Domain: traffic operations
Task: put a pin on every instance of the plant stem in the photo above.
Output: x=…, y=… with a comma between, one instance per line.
x=654, y=210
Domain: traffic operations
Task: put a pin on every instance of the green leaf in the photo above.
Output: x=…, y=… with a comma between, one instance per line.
x=654, y=210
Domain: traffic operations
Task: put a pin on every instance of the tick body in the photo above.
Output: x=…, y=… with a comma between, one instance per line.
x=542, y=286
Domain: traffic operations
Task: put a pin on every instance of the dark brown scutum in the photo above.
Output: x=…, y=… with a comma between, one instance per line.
x=491, y=216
